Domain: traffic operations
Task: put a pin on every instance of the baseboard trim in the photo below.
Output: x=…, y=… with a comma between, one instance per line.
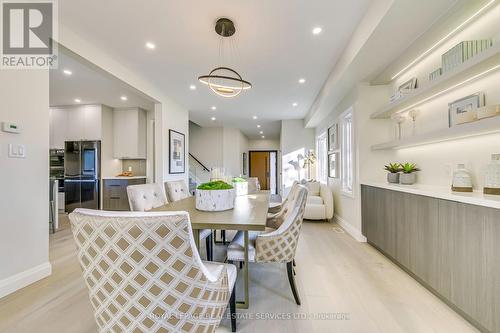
x=355, y=233
x=25, y=278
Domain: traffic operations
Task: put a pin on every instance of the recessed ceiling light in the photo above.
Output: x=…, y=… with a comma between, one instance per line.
x=302, y=80
x=192, y=87
x=123, y=98
x=150, y=46
x=263, y=137
x=213, y=119
x=254, y=117
x=317, y=30
x=258, y=126
x=77, y=100
x=214, y=108
x=294, y=104
x=261, y=132
x=67, y=72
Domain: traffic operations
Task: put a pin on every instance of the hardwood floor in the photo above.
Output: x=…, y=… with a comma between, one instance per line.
x=351, y=282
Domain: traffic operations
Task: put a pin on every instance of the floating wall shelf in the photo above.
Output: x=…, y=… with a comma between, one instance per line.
x=477, y=128
x=473, y=69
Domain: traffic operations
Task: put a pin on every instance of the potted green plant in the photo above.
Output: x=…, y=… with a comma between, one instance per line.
x=240, y=186
x=393, y=175
x=408, y=177
x=215, y=196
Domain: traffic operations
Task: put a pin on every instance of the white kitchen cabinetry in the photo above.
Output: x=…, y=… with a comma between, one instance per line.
x=75, y=123
x=129, y=129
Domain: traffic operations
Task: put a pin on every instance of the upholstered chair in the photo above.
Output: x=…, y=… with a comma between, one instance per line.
x=320, y=205
x=144, y=274
x=253, y=185
x=274, y=220
x=146, y=197
x=274, y=246
x=276, y=207
x=178, y=190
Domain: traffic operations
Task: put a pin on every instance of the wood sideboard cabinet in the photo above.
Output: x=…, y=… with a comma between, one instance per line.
x=115, y=193
x=452, y=248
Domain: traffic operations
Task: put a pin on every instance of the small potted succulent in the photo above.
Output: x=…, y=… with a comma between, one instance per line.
x=215, y=196
x=408, y=177
x=240, y=186
x=393, y=175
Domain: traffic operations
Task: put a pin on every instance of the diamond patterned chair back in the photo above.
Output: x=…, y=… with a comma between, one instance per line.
x=280, y=245
x=177, y=190
x=146, y=196
x=144, y=274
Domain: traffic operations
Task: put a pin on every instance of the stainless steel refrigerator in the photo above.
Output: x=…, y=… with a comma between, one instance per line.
x=82, y=172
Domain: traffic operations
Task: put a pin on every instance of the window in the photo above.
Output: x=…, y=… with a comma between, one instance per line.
x=346, y=152
x=321, y=165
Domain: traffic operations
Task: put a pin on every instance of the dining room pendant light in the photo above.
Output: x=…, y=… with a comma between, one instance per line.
x=222, y=80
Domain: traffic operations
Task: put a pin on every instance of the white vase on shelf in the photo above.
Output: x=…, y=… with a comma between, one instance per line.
x=462, y=179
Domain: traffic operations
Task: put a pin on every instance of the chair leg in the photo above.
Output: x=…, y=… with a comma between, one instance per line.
x=291, y=279
x=294, y=264
x=241, y=264
x=208, y=243
x=232, y=309
x=223, y=235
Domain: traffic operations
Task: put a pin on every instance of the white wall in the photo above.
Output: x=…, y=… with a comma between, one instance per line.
x=264, y=144
x=205, y=143
x=24, y=190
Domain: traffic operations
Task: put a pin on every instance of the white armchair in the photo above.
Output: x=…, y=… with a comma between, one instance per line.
x=319, y=204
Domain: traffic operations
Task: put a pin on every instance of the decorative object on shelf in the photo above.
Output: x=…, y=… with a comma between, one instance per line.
x=394, y=169
x=462, y=52
x=464, y=110
x=413, y=115
x=435, y=74
x=225, y=81
x=217, y=173
x=333, y=141
x=399, y=119
x=492, y=178
x=409, y=176
x=177, y=144
x=215, y=196
x=404, y=89
x=240, y=186
x=488, y=111
x=462, y=180
x=333, y=160
x=245, y=164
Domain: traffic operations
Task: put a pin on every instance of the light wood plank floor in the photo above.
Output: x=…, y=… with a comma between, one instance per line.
x=359, y=288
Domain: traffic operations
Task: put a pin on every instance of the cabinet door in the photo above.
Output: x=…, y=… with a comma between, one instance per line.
x=93, y=123
x=75, y=129
x=58, y=128
x=129, y=130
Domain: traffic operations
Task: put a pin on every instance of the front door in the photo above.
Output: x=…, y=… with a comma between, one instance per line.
x=260, y=167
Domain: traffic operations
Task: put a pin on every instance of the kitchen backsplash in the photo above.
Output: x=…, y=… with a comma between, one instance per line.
x=138, y=167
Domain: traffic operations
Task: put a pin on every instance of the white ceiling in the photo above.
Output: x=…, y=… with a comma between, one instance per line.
x=274, y=42
x=91, y=85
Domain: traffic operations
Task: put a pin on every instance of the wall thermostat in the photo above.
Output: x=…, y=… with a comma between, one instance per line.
x=10, y=127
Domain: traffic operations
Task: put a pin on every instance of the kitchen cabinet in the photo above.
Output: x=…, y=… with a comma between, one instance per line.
x=129, y=130
x=75, y=123
x=57, y=124
x=450, y=247
x=115, y=193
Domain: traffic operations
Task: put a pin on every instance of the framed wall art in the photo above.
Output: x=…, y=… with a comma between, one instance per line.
x=333, y=137
x=177, y=152
x=333, y=162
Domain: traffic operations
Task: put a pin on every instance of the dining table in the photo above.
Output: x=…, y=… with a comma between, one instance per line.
x=249, y=214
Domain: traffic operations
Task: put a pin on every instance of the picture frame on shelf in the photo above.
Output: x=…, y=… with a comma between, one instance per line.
x=464, y=110
x=333, y=165
x=177, y=152
x=408, y=85
x=333, y=137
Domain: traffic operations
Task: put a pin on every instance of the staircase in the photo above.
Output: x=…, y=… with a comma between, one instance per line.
x=198, y=173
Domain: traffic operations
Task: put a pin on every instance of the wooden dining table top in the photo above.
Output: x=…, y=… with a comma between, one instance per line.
x=249, y=213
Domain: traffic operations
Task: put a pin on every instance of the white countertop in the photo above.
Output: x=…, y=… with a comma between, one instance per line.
x=124, y=177
x=474, y=198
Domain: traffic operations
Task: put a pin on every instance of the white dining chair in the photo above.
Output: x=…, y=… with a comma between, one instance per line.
x=144, y=274
x=145, y=197
x=274, y=246
x=253, y=185
x=178, y=190
x=275, y=219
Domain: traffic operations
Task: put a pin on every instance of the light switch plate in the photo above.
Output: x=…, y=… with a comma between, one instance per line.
x=17, y=151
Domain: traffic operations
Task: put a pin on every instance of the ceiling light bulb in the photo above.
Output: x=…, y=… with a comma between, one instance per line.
x=263, y=137
x=302, y=80
x=150, y=45
x=261, y=132
x=192, y=87
x=317, y=30
x=67, y=72
x=214, y=108
x=77, y=100
x=294, y=104
x=258, y=126
x=213, y=118
x=123, y=98
x=254, y=117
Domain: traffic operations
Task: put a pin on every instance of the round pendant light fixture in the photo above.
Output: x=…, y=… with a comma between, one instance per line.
x=225, y=81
